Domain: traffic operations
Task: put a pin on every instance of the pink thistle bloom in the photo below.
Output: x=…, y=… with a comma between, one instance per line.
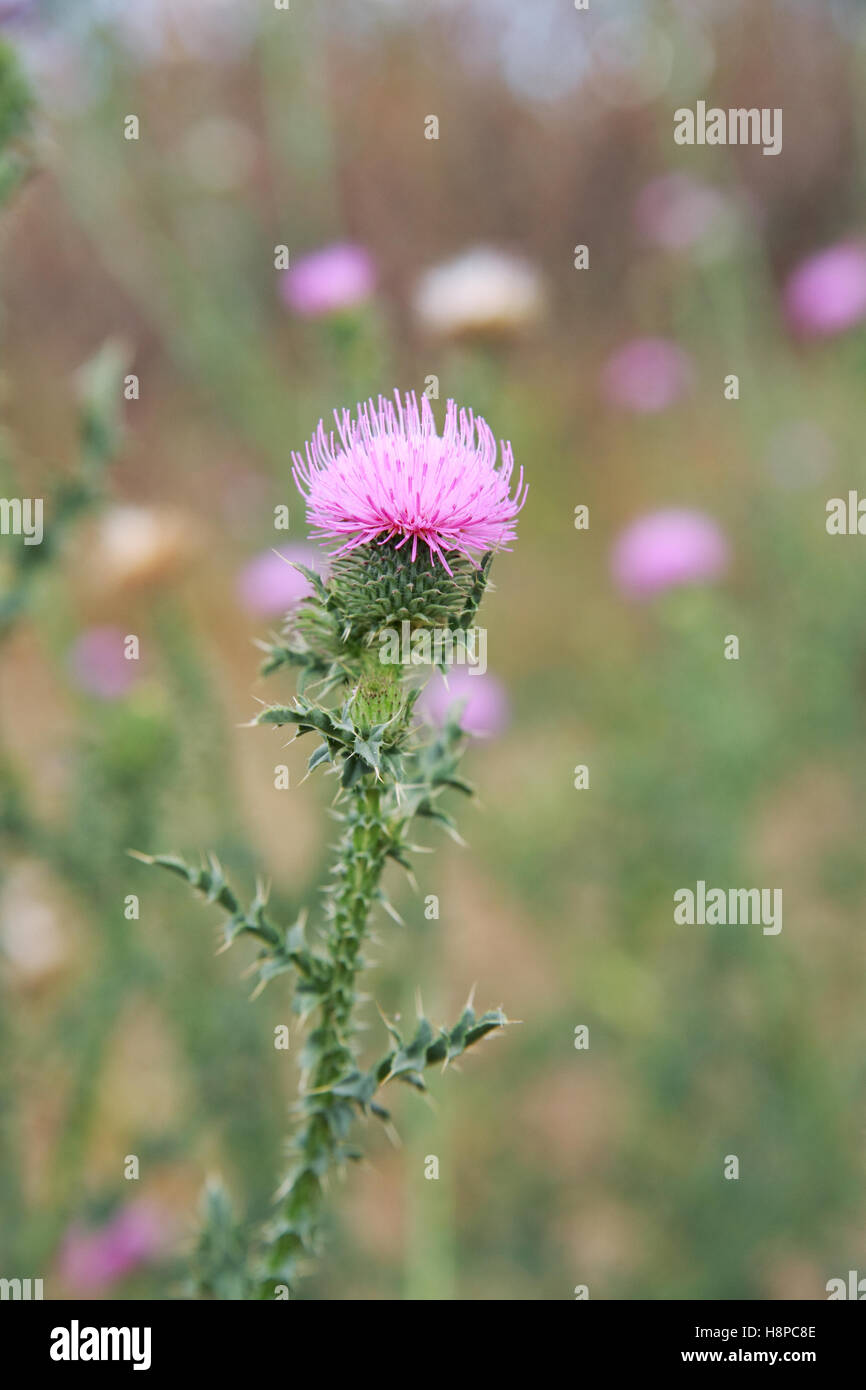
x=677, y=212
x=647, y=375
x=392, y=477
x=328, y=281
x=14, y=9
x=667, y=548
x=485, y=711
x=94, y=1259
x=99, y=666
x=269, y=585
x=826, y=294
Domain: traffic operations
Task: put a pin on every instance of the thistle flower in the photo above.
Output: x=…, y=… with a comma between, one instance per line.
x=14, y=9
x=388, y=480
x=646, y=375
x=826, y=294
x=484, y=711
x=667, y=548
x=483, y=292
x=679, y=213
x=393, y=478
x=329, y=281
x=269, y=584
x=98, y=664
x=95, y=1259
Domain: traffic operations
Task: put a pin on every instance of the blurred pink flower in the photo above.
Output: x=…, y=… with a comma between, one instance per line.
x=676, y=211
x=646, y=375
x=14, y=9
x=667, y=548
x=268, y=586
x=826, y=294
x=98, y=664
x=327, y=281
x=93, y=1259
x=485, y=709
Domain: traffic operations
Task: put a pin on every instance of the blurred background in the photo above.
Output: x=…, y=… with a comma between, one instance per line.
x=335, y=201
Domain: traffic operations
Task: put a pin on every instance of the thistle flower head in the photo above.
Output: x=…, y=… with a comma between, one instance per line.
x=98, y=1258
x=392, y=478
x=646, y=375
x=666, y=548
x=484, y=707
x=329, y=281
x=826, y=294
x=679, y=213
x=99, y=666
x=270, y=585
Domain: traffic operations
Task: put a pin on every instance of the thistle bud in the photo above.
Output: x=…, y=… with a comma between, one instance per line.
x=376, y=586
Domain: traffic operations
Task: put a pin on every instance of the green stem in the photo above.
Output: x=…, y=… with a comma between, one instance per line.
x=319, y=1148
x=333, y=1090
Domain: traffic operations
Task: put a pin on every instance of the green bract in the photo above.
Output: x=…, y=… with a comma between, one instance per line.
x=371, y=588
x=376, y=586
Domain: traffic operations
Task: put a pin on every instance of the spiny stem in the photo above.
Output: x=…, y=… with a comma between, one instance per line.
x=319, y=1146
x=382, y=795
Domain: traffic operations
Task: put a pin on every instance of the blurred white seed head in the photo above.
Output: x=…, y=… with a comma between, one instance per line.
x=138, y=546
x=32, y=939
x=482, y=292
